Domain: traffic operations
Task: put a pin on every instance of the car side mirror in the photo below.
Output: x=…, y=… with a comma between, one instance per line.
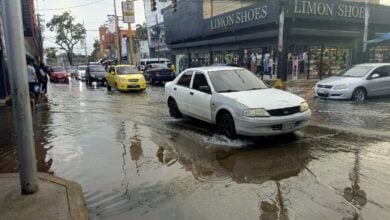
x=205, y=89
x=375, y=76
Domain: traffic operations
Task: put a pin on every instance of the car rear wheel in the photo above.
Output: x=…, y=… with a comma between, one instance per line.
x=359, y=95
x=226, y=125
x=173, y=109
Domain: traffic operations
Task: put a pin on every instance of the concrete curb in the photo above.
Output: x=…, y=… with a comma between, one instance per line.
x=57, y=198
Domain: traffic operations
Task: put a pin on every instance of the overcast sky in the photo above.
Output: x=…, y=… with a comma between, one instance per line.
x=92, y=12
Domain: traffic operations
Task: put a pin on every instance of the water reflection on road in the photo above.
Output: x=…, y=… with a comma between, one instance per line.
x=134, y=162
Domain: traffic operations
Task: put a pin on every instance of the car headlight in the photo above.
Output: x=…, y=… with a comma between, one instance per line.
x=256, y=112
x=304, y=107
x=340, y=87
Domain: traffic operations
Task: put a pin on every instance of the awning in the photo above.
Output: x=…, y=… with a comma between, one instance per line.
x=384, y=38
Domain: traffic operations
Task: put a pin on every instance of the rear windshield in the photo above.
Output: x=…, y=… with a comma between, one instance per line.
x=58, y=69
x=97, y=69
x=124, y=70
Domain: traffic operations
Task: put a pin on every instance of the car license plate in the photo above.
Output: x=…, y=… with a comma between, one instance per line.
x=288, y=125
x=133, y=85
x=322, y=91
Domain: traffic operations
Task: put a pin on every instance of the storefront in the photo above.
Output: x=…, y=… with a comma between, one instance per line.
x=290, y=39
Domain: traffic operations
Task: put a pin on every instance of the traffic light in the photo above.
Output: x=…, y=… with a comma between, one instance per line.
x=174, y=5
x=153, y=5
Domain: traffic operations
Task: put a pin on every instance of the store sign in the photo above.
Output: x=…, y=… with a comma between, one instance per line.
x=249, y=15
x=256, y=14
x=111, y=23
x=328, y=9
x=128, y=12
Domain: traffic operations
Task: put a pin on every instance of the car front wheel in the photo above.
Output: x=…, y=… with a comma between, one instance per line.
x=173, y=109
x=359, y=95
x=226, y=125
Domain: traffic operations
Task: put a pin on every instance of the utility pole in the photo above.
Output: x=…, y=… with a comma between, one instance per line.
x=131, y=43
x=366, y=23
x=118, y=35
x=16, y=51
x=158, y=38
x=85, y=46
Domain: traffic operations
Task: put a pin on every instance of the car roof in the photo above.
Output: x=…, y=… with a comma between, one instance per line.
x=372, y=64
x=216, y=68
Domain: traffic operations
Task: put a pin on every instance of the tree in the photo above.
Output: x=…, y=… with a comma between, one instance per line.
x=141, y=31
x=51, y=55
x=95, y=55
x=68, y=33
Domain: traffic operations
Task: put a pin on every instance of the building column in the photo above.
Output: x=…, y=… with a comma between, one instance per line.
x=282, y=47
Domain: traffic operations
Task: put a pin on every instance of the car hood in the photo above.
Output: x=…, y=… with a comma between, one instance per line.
x=266, y=98
x=131, y=76
x=338, y=80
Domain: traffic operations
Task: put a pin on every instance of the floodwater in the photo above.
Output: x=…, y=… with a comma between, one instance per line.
x=135, y=162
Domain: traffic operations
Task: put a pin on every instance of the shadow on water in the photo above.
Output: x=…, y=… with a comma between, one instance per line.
x=8, y=151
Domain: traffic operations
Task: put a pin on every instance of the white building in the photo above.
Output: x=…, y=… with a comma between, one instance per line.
x=156, y=33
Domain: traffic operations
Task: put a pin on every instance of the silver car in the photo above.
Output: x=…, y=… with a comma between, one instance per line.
x=356, y=83
x=81, y=73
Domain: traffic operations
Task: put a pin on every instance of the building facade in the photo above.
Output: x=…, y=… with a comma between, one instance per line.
x=290, y=39
x=33, y=42
x=156, y=30
x=108, y=43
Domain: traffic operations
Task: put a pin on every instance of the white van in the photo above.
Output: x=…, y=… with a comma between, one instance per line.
x=145, y=62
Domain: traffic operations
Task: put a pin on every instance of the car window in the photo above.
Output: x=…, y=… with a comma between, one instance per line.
x=185, y=79
x=383, y=71
x=199, y=80
x=125, y=70
x=235, y=80
x=96, y=69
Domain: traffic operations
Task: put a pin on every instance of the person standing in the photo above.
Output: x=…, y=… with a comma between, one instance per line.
x=32, y=77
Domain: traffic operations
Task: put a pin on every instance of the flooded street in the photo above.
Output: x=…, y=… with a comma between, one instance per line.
x=135, y=162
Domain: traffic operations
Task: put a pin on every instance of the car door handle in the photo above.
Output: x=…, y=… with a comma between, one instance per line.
x=174, y=89
x=191, y=93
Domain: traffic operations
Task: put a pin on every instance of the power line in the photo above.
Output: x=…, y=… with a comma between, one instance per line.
x=75, y=6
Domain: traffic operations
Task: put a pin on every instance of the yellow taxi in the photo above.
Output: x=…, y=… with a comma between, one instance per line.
x=125, y=78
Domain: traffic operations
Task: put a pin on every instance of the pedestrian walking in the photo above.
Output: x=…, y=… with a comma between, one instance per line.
x=43, y=71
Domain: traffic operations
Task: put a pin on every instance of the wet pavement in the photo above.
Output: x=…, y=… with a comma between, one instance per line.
x=135, y=162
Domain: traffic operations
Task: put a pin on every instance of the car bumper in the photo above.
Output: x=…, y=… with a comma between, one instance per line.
x=59, y=78
x=131, y=86
x=97, y=79
x=272, y=125
x=332, y=94
x=164, y=78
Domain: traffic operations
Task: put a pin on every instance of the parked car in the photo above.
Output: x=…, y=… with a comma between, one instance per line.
x=72, y=70
x=81, y=72
x=95, y=73
x=237, y=101
x=125, y=78
x=159, y=73
x=356, y=83
x=58, y=74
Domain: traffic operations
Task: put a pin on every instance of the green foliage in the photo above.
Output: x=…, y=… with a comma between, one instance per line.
x=141, y=31
x=95, y=55
x=68, y=33
x=51, y=55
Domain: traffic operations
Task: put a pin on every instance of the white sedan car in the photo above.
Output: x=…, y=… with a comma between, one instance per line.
x=236, y=101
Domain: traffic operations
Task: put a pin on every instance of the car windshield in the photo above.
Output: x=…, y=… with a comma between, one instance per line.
x=97, y=69
x=235, y=80
x=125, y=70
x=82, y=67
x=58, y=69
x=71, y=68
x=356, y=71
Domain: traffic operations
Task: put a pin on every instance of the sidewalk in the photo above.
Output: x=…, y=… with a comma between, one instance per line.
x=57, y=199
